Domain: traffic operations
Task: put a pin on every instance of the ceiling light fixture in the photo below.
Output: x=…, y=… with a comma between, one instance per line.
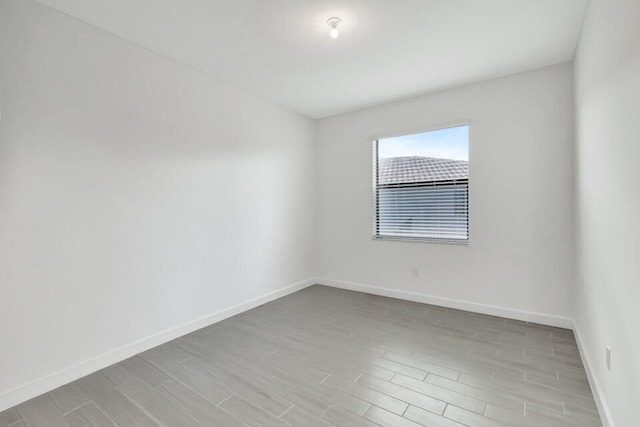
x=333, y=23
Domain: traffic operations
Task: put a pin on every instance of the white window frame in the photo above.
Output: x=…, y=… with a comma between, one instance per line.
x=374, y=174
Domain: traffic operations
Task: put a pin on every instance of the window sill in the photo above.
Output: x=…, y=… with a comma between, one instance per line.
x=424, y=240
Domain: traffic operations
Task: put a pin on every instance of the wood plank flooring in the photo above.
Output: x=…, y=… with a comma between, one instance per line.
x=325, y=357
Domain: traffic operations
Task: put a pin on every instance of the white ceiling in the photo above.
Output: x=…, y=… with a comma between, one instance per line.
x=387, y=49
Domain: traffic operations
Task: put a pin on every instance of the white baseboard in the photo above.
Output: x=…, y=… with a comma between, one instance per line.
x=598, y=395
x=64, y=376
x=493, y=310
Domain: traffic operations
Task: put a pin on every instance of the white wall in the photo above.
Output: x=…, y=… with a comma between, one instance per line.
x=520, y=255
x=136, y=195
x=608, y=200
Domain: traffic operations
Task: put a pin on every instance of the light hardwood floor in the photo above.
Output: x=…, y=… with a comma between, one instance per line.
x=329, y=357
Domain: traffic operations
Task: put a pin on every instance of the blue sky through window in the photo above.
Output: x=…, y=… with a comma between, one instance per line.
x=447, y=143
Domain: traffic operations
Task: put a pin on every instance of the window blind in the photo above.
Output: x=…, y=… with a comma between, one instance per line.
x=423, y=210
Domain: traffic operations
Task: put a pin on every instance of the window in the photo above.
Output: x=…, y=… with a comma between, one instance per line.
x=421, y=186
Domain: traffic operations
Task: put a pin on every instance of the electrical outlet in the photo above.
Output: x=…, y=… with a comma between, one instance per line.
x=415, y=271
x=608, y=357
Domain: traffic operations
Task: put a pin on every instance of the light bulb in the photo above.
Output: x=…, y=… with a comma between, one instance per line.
x=333, y=23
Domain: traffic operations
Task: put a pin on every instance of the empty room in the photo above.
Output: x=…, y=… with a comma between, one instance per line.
x=319, y=213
